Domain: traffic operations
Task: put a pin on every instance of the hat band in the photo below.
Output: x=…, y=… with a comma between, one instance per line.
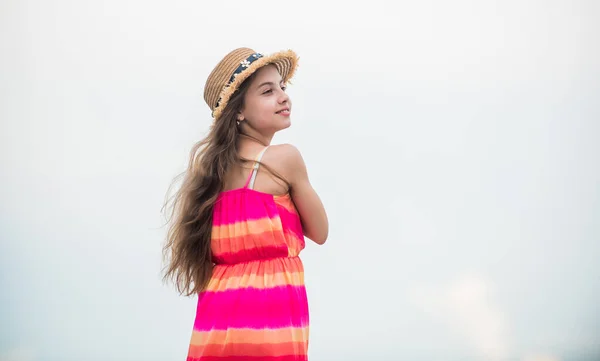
x=244, y=64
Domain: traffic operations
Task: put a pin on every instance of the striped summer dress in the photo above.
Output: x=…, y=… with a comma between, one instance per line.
x=255, y=305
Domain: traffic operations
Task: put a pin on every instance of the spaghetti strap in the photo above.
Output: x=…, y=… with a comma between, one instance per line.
x=252, y=177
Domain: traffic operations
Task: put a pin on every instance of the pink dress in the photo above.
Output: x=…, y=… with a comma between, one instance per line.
x=255, y=305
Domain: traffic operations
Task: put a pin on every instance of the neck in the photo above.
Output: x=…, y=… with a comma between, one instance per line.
x=254, y=135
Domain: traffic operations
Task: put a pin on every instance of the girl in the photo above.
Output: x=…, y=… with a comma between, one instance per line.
x=240, y=218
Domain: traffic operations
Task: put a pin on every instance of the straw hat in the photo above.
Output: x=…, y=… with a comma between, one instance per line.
x=236, y=67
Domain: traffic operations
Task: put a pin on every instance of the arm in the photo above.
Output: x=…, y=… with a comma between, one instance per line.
x=309, y=205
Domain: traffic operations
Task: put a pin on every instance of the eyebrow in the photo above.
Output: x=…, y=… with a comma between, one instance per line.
x=267, y=83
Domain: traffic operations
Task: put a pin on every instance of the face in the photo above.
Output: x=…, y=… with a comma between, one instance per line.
x=267, y=107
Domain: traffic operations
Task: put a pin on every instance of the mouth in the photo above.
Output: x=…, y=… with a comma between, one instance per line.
x=284, y=111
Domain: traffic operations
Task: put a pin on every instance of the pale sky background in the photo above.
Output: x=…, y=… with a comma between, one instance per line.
x=454, y=144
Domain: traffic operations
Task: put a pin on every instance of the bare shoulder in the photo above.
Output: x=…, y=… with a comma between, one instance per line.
x=286, y=159
x=285, y=155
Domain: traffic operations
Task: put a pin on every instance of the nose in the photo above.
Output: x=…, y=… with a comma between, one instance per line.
x=283, y=97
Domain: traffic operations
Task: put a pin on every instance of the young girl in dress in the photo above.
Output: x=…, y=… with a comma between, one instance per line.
x=241, y=216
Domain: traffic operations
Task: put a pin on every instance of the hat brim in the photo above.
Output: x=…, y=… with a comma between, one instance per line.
x=286, y=62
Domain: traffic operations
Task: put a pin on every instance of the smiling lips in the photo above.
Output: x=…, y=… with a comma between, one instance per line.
x=284, y=112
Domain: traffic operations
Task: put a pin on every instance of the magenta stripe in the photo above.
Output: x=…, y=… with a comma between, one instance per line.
x=250, y=358
x=275, y=307
x=251, y=254
x=232, y=209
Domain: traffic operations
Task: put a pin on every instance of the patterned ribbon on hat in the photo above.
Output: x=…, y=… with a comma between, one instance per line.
x=244, y=64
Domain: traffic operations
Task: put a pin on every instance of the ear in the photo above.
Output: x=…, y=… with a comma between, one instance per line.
x=240, y=117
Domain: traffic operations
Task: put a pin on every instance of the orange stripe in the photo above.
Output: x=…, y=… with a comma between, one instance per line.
x=287, y=203
x=247, y=243
x=255, y=281
x=249, y=336
x=246, y=228
x=282, y=196
x=295, y=245
x=249, y=349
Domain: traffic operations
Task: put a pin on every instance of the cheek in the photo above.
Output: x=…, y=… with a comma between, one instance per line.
x=252, y=108
x=263, y=107
x=262, y=110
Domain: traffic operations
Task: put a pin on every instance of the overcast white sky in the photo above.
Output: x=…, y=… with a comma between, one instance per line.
x=454, y=145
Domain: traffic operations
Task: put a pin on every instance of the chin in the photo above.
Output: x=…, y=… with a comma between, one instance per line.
x=285, y=124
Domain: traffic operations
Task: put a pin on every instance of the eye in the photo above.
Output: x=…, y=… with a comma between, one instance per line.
x=283, y=87
x=268, y=91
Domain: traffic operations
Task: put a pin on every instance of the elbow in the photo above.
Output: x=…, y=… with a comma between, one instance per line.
x=319, y=239
x=317, y=233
